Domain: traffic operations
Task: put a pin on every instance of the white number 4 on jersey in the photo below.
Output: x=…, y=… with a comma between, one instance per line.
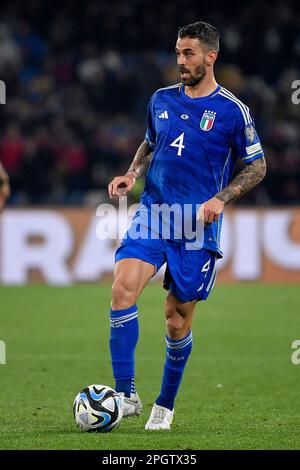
x=179, y=144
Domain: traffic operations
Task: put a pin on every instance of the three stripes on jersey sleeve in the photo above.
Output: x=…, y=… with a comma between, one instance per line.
x=243, y=108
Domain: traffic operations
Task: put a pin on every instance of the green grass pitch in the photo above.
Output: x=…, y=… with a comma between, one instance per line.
x=240, y=389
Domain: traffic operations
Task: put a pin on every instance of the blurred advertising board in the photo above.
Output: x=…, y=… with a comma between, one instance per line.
x=61, y=246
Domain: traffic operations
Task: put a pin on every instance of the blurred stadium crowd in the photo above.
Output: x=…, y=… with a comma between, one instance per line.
x=79, y=76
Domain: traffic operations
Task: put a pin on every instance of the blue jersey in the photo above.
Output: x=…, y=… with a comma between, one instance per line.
x=196, y=143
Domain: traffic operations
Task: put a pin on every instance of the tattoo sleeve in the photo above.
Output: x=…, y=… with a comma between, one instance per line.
x=141, y=159
x=244, y=181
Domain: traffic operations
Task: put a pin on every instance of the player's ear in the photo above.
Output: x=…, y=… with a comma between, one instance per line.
x=211, y=57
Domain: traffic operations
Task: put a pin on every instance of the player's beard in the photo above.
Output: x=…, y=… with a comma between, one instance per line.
x=195, y=78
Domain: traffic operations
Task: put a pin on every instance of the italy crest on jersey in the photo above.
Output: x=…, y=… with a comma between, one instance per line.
x=207, y=120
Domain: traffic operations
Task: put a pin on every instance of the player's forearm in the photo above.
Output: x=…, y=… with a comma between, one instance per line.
x=141, y=160
x=246, y=180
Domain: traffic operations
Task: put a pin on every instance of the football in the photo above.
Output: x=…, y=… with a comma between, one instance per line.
x=98, y=408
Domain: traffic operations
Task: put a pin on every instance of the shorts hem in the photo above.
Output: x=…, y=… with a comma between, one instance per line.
x=185, y=298
x=140, y=257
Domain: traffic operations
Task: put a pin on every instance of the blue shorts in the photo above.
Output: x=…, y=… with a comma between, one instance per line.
x=190, y=274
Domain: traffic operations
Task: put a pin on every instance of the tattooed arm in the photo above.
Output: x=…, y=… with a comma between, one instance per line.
x=121, y=185
x=141, y=160
x=243, y=182
x=247, y=179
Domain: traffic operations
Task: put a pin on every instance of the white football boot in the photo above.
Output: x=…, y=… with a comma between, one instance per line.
x=160, y=418
x=131, y=406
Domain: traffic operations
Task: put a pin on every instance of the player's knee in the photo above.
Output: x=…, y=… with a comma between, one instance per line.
x=123, y=296
x=174, y=321
x=175, y=326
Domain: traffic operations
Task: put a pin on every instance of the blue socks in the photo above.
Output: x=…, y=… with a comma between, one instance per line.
x=124, y=333
x=178, y=352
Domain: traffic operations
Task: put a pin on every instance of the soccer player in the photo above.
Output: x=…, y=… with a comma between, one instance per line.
x=4, y=187
x=196, y=132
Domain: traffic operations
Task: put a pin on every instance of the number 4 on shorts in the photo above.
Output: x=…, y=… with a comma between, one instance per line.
x=206, y=268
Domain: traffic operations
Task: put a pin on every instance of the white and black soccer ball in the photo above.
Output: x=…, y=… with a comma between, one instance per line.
x=98, y=408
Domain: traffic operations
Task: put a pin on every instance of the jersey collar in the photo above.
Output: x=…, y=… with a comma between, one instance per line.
x=200, y=98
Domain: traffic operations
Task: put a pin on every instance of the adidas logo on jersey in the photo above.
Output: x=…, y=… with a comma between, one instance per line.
x=164, y=115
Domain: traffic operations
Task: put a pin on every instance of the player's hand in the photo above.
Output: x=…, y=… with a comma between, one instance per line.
x=4, y=190
x=121, y=185
x=210, y=210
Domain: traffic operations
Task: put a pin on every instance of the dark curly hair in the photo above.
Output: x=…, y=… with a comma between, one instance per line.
x=205, y=32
